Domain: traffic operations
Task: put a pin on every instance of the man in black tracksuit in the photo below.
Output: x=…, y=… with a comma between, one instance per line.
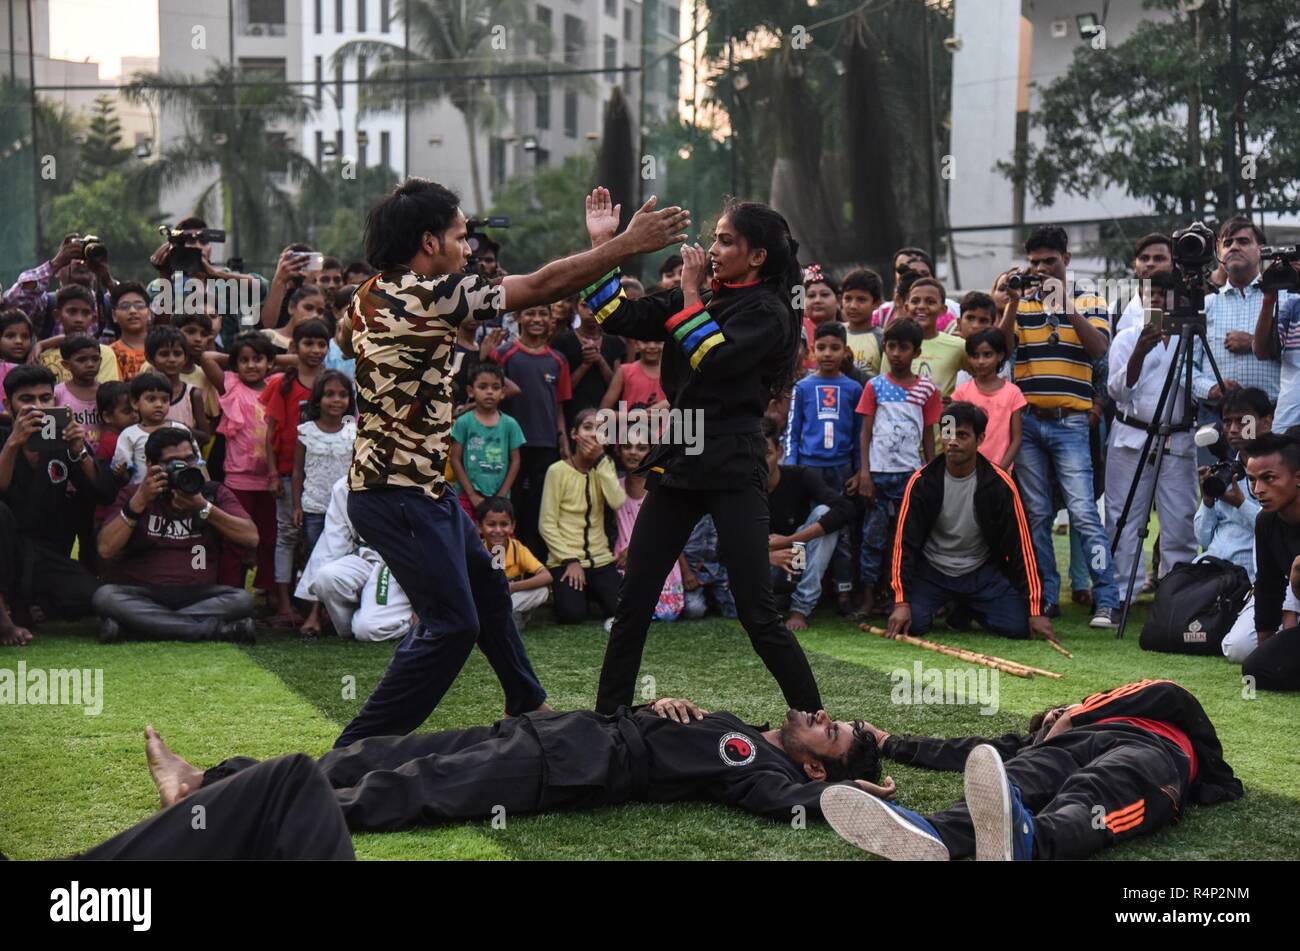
x=963, y=537
x=666, y=751
x=1120, y=764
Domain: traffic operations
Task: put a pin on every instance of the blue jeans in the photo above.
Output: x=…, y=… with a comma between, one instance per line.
x=842, y=559
x=313, y=526
x=435, y=553
x=808, y=589
x=876, y=524
x=986, y=592
x=1056, y=452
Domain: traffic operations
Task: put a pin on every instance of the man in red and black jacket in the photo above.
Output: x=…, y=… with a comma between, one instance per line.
x=963, y=537
x=1120, y=764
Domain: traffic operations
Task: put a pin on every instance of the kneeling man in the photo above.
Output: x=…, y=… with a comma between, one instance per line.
x=963, y=538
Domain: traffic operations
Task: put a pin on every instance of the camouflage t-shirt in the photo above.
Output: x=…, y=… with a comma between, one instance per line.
x=404, y=334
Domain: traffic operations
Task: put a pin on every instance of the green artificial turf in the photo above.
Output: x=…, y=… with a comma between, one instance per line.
x=68, y=781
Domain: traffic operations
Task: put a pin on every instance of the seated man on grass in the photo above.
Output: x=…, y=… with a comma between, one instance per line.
x=963, y=538
x=1087, y=776
x=665, y=751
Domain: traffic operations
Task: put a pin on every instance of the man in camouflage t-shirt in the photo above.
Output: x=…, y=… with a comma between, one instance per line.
x=404, y=325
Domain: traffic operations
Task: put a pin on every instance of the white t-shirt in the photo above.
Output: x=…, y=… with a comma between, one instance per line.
x=326, y=459
x=130, y=449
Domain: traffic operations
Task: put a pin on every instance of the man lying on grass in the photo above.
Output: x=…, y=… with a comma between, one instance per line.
x=1118, y=765
x=665, y=751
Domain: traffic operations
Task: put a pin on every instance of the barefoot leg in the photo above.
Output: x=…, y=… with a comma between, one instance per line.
x=174, y=777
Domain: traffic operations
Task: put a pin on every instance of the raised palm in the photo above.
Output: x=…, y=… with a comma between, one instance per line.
x=602, y=216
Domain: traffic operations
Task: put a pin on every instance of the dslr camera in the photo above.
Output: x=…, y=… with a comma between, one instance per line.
x=184, y=477
x=1227, y=470
x=185, y=255
x=1280, y=275
x=93, y=250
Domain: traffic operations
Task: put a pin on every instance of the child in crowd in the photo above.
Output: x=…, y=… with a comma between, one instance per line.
x=151, y=395
x=562, y=317
x=860, y=294
x=337, y=359
x=74, y=308
x=703, y=577
x=672, y=598
x=899, y=410
x=542, y=376
x=824, y=435
x=284, y=398
x=636, y=383
x=530, y=582
x=80, y=358
x=15, y=341
x=942, y=355
x=307, y=302
x=116, y=414
x=1001, y=400
x=248, y=470
x=198, y=332
x=323, y=453
x=575, y=498
x=165, y=347
x=485, y=443
x=821, y=304
x=978, y=312
x=131, y=312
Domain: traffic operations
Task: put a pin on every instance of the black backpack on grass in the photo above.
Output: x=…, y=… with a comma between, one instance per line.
x=1195, y=607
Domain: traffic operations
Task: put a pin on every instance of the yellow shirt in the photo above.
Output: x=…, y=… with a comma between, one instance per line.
x=53, y=360
x=866, y=352
x=941, y=357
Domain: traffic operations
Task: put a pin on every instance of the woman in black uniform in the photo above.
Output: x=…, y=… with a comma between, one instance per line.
x=729, y=350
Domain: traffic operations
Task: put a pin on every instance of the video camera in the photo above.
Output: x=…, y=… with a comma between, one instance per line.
x=476, y=237
x=185, y=255
x=1227, y=470
x=1280, y=275
x=1021, y=281
x=1185, y=288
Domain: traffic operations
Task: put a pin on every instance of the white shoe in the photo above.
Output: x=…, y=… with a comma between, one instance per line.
x=609, y=624
x=989, y=800
x=867, y=822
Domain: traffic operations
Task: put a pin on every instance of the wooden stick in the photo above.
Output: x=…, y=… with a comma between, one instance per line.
x=1006, y=667
x=1059, y=649
x=988, y=660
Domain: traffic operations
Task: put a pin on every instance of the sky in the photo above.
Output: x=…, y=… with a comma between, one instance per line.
x=104, y=31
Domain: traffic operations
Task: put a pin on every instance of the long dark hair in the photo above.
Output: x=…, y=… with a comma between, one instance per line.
x=763, y=227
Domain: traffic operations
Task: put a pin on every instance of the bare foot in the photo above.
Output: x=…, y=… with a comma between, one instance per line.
x=174, y=777
x=282, y=621
x=796, y=621
x=15, y=637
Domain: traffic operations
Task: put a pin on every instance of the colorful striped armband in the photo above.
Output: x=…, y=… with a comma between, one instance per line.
x=605, y=296
x=696, y=331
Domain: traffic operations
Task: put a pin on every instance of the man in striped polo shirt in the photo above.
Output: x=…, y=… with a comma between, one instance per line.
x=1056, y=339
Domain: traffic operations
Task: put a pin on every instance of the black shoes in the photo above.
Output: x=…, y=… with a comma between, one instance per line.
x=243, y=631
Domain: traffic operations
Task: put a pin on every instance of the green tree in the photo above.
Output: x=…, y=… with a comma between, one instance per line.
x=103, y=152
x=98, y=206
x=231, y=121
x=545, y=210
x=332, y=207
x=461, y=51
x=1155, y=113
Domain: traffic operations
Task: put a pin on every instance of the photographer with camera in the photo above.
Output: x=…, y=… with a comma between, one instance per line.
x=167, y=532
x=1054, y=356
x=1152, y=254
x=1277, y=333
x=80, y=260
x=187, y=253
x=1231, y=317
x=1140, y=360
x=291, y=270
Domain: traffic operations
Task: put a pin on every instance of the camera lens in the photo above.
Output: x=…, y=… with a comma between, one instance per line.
x=189, y=480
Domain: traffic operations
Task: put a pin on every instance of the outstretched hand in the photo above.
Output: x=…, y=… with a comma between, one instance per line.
x=651, y=230
x=602, y=216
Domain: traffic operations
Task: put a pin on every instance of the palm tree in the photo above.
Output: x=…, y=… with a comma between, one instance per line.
x=230, y=129
x=455, y=54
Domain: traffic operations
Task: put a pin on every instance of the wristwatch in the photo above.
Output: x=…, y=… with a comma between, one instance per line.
x=204, y=512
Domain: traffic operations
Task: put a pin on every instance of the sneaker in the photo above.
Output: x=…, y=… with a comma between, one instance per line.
x=1052, y=611
x=110, y=632
x=609, y=624
x=880, y=827
x=1004, y=828
x=1105, y=617
x=243, y=631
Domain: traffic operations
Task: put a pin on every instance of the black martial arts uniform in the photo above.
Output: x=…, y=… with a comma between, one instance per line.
x=281, y=809
x=721, y=359
x=549, y=761
x=1105, y=780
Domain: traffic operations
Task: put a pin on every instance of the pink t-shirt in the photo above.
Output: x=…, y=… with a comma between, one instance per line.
x=1000, y=407
x=243, y=423
x=672, y=597
x=639, y=387
x=85, y=412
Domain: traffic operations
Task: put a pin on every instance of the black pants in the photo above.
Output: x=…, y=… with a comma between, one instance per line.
x=1087, y=789
x=183, y=613
x=383, y=783
x=526, y=495
x=661, y=530
x=281, y=809
x=571, y=605
x=1275, y=664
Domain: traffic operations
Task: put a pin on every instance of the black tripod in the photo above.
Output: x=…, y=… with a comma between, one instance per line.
x=1162, y=425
